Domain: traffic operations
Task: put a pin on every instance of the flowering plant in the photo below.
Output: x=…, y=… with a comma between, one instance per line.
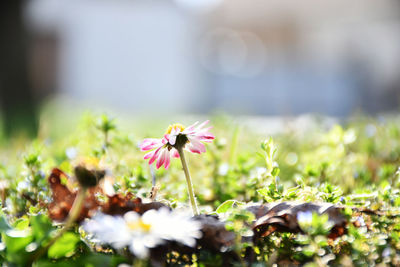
x=143, y=232
x=175, y=140
x=176, y=137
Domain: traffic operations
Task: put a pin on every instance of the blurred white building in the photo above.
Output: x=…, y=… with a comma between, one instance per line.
x=259, y=57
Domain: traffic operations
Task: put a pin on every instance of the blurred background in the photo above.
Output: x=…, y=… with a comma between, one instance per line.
x=162, y=57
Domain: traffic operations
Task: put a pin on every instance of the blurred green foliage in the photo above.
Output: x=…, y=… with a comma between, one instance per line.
x=354, y=164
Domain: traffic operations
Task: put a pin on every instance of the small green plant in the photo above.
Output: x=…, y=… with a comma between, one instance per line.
x=106, y=125
x=353, y=167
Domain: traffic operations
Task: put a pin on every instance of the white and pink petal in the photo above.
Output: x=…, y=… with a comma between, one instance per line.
x=150, y=143
x=161, y=158
x=174, y=153
x=155, y=155
x=167, y=160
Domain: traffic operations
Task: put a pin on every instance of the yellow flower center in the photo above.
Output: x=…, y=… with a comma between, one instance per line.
x=90, y=162
x=173, y=126
x=139, y=225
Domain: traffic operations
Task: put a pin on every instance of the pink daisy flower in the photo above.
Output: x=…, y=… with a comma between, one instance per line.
x=190, y=138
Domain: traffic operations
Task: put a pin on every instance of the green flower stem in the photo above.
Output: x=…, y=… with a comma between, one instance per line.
x=188, y=181
x=72, y=216
x=76, y=208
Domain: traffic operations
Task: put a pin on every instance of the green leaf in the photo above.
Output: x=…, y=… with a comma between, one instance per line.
x=86, y=260
x=64, y=246
x=263, y=191
x=106, y=124
x=16, y=240
x=4, y=226
x=51, y=263
x=224, y=207
x=275, y=172
x=21, y=223
x=41, y=227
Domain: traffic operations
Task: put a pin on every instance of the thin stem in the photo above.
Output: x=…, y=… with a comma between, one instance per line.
x=106, y=139
x=188, y=181
x=76, y=208
x=72, y=216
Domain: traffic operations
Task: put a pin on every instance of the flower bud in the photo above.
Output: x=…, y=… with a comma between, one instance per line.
x=88, y=178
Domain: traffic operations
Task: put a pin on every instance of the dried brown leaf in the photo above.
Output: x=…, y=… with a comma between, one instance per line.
x=215, y=236
x=63, y=198
x=282, y=217
x=119, y=204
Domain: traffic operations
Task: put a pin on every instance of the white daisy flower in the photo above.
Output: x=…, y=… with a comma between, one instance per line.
x=140, y=233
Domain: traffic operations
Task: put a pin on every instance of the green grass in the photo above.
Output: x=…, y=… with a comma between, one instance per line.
x=354, y=164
